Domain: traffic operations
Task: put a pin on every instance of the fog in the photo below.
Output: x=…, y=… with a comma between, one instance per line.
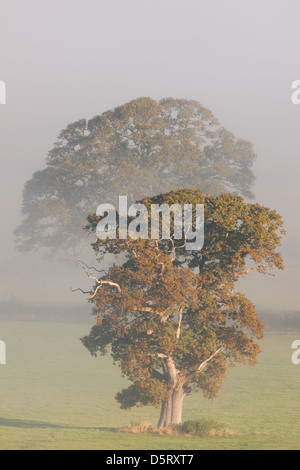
x=66, y=60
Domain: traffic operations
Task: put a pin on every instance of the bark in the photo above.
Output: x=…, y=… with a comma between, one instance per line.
x=171, y=408
x=177, y=404
x=165, y=414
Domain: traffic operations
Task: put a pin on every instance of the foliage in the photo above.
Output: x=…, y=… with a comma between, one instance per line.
x=138, y=149
x=176, y=312
x=200, y=427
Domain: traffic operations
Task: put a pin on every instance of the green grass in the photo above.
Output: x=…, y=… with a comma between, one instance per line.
x=54, y=395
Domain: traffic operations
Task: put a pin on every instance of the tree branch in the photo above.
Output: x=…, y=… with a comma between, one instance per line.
x=179, y=323
x=91, y=267
x=81, y=290
x=260, y=268
x=201, y=366
x=86, y=272
x=174, y=248
x=99, y=282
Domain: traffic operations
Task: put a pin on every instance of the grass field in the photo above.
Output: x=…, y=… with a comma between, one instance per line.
x=54, y=395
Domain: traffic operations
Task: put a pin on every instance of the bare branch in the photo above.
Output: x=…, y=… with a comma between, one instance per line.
x=248, y=270
x=91, y=267
x=110, y=283
x=81, y=290
x=182, y=246
x=159, y=355
x=163, y=266
x=96, y=290
x=99, y=282
x=174, y=248
x=142, y=309
x=86, y=272
x=258, y=268
x=202, y=366
x=179, y=323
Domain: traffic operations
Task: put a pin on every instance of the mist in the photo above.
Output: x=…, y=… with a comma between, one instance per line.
x=71, y=60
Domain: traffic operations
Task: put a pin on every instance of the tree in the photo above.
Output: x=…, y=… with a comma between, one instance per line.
x=139, y=149
x=171, y=318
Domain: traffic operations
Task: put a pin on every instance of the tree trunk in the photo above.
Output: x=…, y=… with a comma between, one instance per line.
x=165, y=414
x=177, y=404
x=171, y=408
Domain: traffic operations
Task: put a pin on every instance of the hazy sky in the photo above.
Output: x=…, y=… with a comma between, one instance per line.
x=68, y=59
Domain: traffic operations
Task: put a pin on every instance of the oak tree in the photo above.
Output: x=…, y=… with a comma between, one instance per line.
x=172, y=318
x=139, y=149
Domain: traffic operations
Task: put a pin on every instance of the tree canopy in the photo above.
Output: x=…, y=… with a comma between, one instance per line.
x=139, y=149
x=172, y=318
